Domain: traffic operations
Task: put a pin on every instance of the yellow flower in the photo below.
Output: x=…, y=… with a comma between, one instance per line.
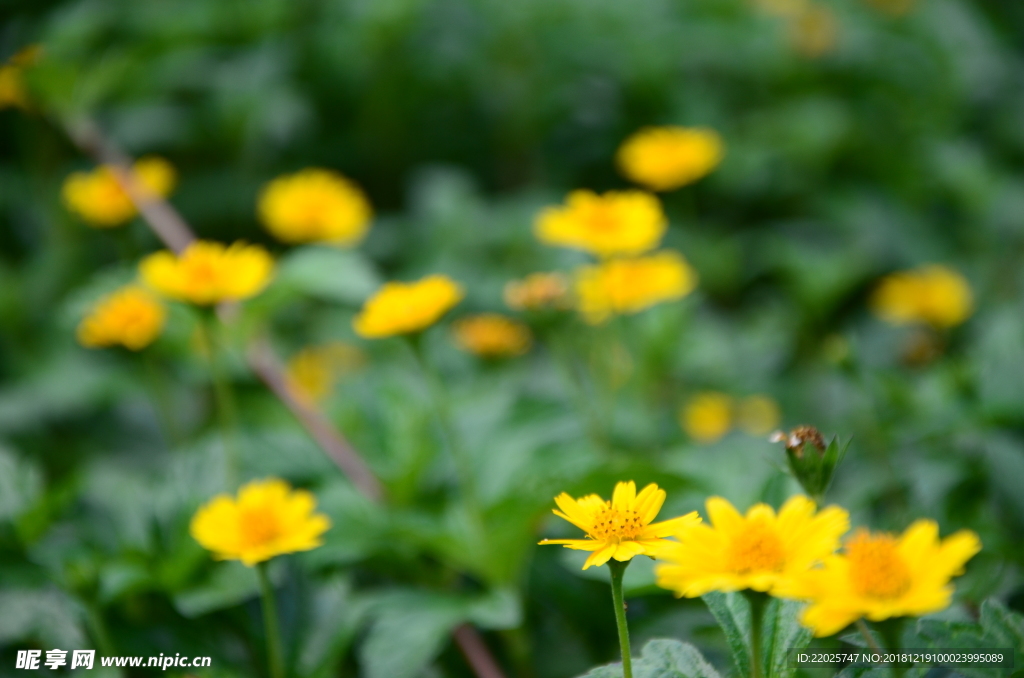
x=208, y=272
x=814, y=32
x=12, y=85
x=267, y=519
x=491, y=335
x=618, y=223
x=315, y=205
x=130, y=317
x=313, y=371
x=404, y=308
x=936, y=295
x=537, y=291
x=706, y=417
x=98, y=198
x=620, y=528
x=624, y=286
x=666, y=158
x=881, y=576
x=757, y=415
x=758, y=551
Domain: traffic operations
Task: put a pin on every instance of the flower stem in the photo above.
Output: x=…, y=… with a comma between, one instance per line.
x=98, y=628
x=758, y=601
x=891, y=631
x=161, y=400
x=270, y=623
x=617, y=569
x=226, y=415
x=868, y=638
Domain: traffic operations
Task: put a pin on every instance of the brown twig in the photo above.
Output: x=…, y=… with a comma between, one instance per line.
x=475, y=650
x=168, y=225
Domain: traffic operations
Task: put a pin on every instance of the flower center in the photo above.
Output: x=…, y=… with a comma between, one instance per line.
x=612, y=523
x=876, y=567
x=603, y=220
x=757, y=548
x=258, y=526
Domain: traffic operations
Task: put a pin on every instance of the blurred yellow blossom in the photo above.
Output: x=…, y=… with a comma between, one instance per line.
x=616, y=223
x=757, y=415
x=12, y=85
x=267, y=519
x=621, y=286
x=208, y=272
x=130, y=317
x=620, y=528
x=784, y=8
x=665, y=158
x=315, y=205
x=537, y=291
x=761, y=550
x=99, y=200
x=492, y=335
x=880, y=575
x=936, y=295
x=814, y=32
x=312, y=372
x=707, y=416
x=893, y=8
x=404, y=308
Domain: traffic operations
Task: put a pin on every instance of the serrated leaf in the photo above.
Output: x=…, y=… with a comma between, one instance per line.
x=732, y=612
x=662, y=658
x=781, y=630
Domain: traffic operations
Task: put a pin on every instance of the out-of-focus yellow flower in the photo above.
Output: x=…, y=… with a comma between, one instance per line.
x=783, y=8
x=881, y=576
x=404, y=308
x=208, y=273
x=267, y=519
x=936, y=295
x=706, y=417
x=617, y=223
x=757, y=415
x=665, y=158
x=313, y=371
x=814, y=32
x=12, y=85
x=491, y=335
x=99, y=200
x=537, y=291
x=621, y=286
x=130, y=317
x=760, y=551
x=620, y=528
x=315, y=205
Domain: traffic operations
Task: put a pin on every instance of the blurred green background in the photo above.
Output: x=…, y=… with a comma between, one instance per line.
x=862, y=136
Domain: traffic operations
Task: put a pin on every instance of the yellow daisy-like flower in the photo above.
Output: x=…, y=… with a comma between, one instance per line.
x=935, y=295
x=492, y=335
x=267, y=519
x=208, y=273
x=617, y=223
x=315, y=205
x=100, y=201
x=666, y=158
x=757, y=415
x=706, y=417
x=537, y=291
x=130, y=317
x=881, y=576
x=623, y=286
x=404, y=308
x=313, y=371
x=758, y=551
x=620, y=528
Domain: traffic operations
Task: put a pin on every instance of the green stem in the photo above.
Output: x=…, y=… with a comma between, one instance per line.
x=891, y=631
x=868, y=638
x=161, y=400
x=98, y=628
x=758, y=601
x=617, y=570
x=226, y=413
x=270, y=624
x=591, y=420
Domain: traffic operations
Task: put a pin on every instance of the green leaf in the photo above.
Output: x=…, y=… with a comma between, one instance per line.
x=328, y=273
x=732, y=612
x=230, y=584
x=998, y=627
x=21, y=484
x=662, y=658
x=408, y=632
x=781, y=630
